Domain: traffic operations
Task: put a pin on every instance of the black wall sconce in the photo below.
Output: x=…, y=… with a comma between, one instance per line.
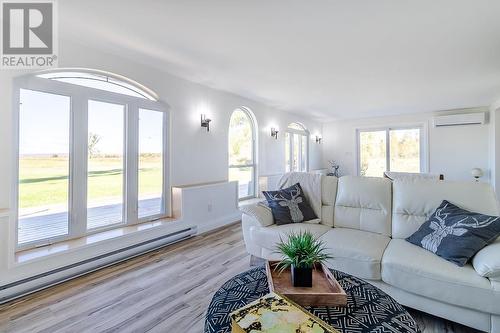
x=274, y=133
x=318, y=139
x=205, y=122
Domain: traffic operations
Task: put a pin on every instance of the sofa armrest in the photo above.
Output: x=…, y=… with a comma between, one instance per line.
x=495, y=283
x=259, y=212
x=487, y=261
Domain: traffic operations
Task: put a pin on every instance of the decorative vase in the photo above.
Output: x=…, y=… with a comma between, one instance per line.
x=301, y=277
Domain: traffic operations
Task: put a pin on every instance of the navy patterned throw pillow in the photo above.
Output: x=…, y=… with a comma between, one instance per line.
x=456, y=234
x=289, y=205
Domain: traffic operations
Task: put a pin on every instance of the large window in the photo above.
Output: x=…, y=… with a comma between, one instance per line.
x=390, y=149
x=92, y=156
x=242, y=166
x=151, y=139
x=44, y=165
x=296, y=148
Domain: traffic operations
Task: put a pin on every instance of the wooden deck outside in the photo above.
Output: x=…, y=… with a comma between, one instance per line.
x=52, y=225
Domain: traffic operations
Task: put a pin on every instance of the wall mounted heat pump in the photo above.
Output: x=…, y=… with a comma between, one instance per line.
x=477, y=118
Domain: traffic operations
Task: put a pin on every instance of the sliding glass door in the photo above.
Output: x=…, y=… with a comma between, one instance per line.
x=296, y=148
x=390, y=149
x=372, y=153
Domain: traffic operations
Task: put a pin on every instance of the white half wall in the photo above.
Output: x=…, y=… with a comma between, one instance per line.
x=208, y=206
x=452, y=151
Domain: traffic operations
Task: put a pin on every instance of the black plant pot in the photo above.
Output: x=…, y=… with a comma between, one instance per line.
x=301, y=277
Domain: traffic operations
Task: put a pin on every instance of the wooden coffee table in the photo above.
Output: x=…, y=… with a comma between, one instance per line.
x=368, y=308
x=325, y=291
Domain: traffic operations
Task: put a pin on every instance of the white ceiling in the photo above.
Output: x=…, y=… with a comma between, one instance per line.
x=325, y=59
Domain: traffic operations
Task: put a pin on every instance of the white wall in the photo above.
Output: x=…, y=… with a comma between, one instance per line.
x=452, y=151
x=495, y=145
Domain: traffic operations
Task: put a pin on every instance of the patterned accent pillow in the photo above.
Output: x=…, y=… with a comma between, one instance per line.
x=289, y=205
x=456, y=234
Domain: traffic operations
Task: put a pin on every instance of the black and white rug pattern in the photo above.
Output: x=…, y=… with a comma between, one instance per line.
x=368, y=308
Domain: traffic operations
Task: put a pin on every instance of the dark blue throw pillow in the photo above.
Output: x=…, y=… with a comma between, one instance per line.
x=456, y=234
x=289, y=205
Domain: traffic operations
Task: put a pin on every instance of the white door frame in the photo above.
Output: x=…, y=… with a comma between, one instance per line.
x=303, y=135
x=424, y=151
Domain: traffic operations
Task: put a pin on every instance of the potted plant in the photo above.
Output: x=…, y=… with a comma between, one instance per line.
x=301, y=252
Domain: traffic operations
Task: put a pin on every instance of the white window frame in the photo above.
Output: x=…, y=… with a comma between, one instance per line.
x=253, y=165
x=424, y=165
x=303, y=135
x=77, y=205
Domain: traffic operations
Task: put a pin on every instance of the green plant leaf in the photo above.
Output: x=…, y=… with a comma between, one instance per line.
x=301, y=250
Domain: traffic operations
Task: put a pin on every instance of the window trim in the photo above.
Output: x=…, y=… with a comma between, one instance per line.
x=102, y=76
x=77, y=180
x=303, y=134
x=424, y=151
x=253, y=123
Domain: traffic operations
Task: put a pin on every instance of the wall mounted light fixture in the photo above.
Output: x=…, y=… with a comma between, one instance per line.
x=477, y=173
x=205, y=122
x=318, y=139
x=274, y=133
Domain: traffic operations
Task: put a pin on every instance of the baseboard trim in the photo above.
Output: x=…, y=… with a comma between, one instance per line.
x=218, y=223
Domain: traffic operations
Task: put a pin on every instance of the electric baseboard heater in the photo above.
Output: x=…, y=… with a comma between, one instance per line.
x=44, y=280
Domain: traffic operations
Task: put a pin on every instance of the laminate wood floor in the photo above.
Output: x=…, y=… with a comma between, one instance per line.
x=167, y=290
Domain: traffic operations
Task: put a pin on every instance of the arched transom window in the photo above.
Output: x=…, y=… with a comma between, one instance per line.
x=242, y=155
x=296, y=148
x=91, y=155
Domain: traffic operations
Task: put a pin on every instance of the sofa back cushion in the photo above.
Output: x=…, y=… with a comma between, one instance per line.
x=328, y=194
x=414, y=202
x=364, y=203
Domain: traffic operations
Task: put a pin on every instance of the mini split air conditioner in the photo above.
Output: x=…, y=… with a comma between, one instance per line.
x=477, y=118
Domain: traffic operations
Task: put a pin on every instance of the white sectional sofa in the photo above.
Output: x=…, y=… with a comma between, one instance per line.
x=364, y=223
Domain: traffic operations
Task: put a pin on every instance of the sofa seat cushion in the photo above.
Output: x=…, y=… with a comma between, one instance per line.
x=355, y=252
x=413, y=269
x=268, y=237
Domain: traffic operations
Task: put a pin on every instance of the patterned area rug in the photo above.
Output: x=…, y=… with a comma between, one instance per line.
x=368, y=308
